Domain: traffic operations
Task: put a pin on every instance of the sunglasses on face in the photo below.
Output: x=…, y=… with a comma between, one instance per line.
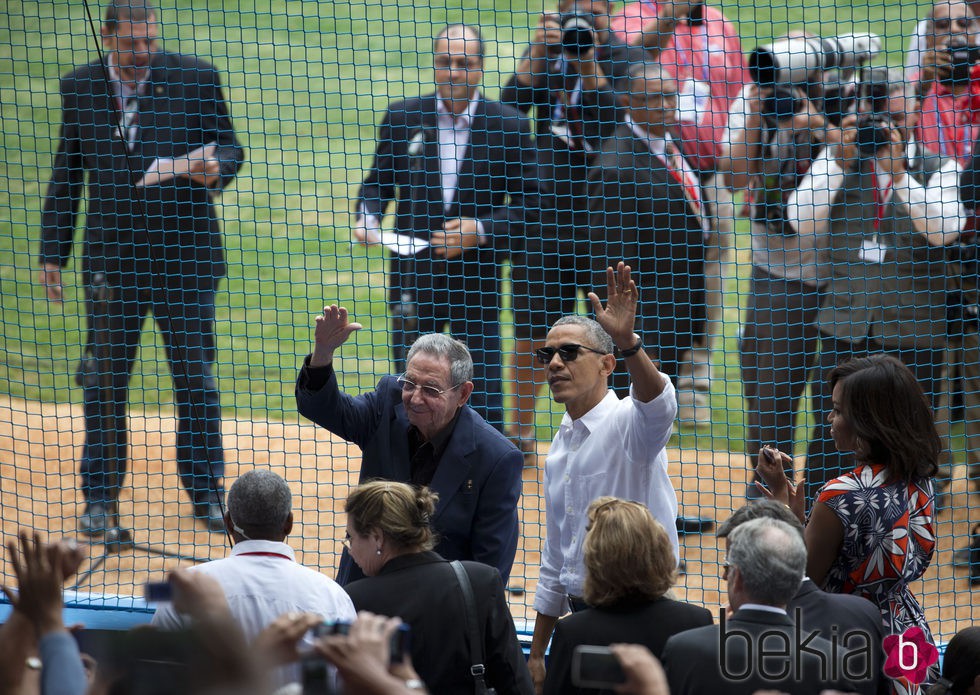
x=568, y=352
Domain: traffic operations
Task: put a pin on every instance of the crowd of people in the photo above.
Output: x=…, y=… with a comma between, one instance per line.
x=860, y=184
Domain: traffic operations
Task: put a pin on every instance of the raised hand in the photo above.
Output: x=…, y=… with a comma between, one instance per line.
x=330, y=332
x=619, y=314
x=40, y=582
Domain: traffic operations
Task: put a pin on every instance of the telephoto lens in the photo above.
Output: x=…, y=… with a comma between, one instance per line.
x=577, y=33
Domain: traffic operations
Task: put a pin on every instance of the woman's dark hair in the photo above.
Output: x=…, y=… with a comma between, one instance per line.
x=890, y=415
x=961, y=663
x=401, y=512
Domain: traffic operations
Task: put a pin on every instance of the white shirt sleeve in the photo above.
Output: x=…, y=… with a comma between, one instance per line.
x=808, y=208
x=550, y=597
x=651, y=424
x=935, y=208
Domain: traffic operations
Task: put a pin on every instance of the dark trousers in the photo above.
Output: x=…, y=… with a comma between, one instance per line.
x=777, y=350
x=823, y=461
x=465, y=304
x=186, y=321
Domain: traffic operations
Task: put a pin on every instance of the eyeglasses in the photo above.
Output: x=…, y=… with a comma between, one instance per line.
x=568, y=352
x=409, y=386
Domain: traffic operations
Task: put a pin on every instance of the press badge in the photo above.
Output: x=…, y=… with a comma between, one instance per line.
x=872, y=252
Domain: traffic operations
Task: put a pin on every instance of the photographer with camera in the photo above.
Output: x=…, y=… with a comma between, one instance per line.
x=881, y=211
x=569, y=77
x=949, y=81
x=777, y=127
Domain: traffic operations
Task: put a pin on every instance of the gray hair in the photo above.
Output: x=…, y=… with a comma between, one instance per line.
x=762, y=509
x=771, y=559
x=650, y=70
x=442, y=345
x=596, y=334
x=259, y=503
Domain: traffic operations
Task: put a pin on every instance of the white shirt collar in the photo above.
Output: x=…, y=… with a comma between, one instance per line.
x=464, y=119
x=657, y=144
x=761, y=607
x=592, y=419
x=125, y=89
x=270, y=547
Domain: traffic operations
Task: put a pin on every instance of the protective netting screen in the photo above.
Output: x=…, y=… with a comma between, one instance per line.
x=793, y=185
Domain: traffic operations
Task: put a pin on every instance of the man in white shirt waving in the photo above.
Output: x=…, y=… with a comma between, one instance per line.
x=604, y=446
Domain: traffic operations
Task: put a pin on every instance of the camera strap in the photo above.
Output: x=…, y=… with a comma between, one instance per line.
x=472, y=627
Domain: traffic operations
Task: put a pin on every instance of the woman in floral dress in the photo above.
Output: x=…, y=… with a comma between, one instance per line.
x=871, y=531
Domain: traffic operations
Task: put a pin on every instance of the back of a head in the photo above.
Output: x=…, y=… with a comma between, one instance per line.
x=402, y=512
x=760, y=509
x=259, y=504
x=891, y=417
x=771, y=559
x=961, y=664
x=627, y=554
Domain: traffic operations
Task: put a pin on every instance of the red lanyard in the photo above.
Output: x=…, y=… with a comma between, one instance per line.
x=881, y=198
x=266, y=554
x=677, y=167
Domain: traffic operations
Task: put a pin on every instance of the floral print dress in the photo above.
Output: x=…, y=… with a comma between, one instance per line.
x=889, y=540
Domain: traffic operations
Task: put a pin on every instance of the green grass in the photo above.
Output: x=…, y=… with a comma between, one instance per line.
x=307, y=83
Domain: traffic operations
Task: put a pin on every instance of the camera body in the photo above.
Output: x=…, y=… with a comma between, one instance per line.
x=577, y=32
x=962, y=57
x=874, y=123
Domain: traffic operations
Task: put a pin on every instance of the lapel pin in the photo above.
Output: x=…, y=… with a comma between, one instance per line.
x=469, y=485
x=159, y=90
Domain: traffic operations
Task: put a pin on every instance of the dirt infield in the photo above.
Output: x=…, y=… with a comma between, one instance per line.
x=40, y=443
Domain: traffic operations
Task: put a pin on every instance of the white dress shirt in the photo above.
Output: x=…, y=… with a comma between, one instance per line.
x=935, y=208
x=262, y=580
x=616, y=449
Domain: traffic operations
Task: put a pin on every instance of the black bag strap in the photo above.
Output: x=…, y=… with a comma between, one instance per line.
x=472, y=626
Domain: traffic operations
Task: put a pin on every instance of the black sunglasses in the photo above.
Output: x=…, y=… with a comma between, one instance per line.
x=568, y=353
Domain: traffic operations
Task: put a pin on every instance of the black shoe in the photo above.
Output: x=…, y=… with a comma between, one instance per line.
x=211, y=515
x=95, y=520
x=693, y=525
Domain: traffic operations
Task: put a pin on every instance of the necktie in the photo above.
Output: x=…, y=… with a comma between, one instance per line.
x=129, y=117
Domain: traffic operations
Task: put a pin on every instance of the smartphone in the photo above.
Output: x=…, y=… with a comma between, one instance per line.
x=596, y=667
x=158, y=592
x=401, y=644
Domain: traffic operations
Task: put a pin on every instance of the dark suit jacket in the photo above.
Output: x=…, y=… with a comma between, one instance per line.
x=478, y=479
x=640, y=212
x=423, y=591
x=498, y=185
x=841, y=614
x=173, y=223
x=693, y=659
x=649, y=623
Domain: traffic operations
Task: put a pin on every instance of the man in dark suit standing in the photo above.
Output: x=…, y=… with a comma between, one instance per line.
x=758, y=647
x=418, y=429
x=462, y=169
x=150, y=132
x=646, y=202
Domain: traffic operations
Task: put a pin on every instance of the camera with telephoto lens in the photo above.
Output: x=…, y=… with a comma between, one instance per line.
x=797, y=61
x=577, y=32
x=962, y=57
x=874, y=123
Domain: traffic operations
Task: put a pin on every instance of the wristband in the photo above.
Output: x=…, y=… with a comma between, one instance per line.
x=633, y=350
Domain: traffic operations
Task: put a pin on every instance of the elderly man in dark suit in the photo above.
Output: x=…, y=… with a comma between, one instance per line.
x=463, y=170
x=854, y=620
x=150, y=132
x=758, y=647
x=417, y=428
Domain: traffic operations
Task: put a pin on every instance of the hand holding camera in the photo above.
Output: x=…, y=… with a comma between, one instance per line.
x=547, y=36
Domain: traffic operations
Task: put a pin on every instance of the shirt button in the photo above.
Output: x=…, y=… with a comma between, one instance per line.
x=569, y=509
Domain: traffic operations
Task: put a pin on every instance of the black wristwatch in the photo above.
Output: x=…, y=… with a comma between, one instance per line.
x=629, y=352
